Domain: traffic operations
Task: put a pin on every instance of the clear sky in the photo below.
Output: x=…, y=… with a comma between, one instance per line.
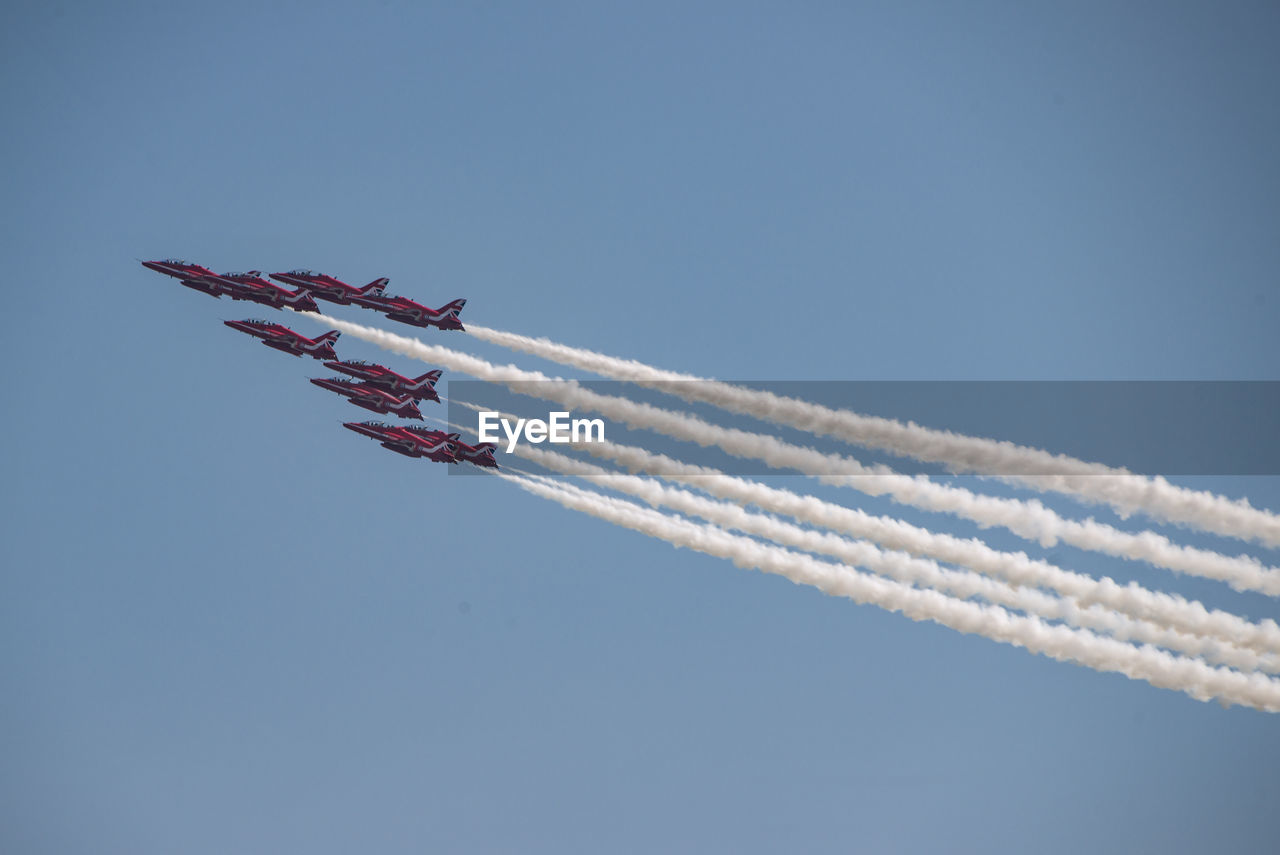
x=227, y=625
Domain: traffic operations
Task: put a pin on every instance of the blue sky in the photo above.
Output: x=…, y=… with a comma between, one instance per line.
x=228, y=625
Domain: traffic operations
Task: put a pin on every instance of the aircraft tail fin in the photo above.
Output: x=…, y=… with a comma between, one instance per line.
x=330, y=338
x=482, y=455
x=429, y=379
x=302, y=298
x=376, y=286
x=453, y=308
x=407, y=408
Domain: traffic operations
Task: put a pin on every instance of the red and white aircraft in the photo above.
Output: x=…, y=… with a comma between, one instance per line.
x=371, y=397
x=178, y=269
x=251, y=286
x=328, y=288
x=423, y=388
x=407, y=311
x=417, y=442
x=284, y=339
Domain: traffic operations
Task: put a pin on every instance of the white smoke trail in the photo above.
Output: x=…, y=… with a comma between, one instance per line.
x=1157, y=667
x=1031, y=467
x=904, y=568
x=1017, y=568
x=1030, y=519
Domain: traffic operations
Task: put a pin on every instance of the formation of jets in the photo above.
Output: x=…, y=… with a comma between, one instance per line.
x=309, y=285
x=375, y=387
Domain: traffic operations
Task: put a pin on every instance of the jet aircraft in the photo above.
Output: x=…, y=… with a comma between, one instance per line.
x=423, y=388
x=407, y=311
x=284, y=339
x=419, y=442
x=178, y=268
x=191, y=275
x=371, y=397
x=251, y=286
x=328, y=288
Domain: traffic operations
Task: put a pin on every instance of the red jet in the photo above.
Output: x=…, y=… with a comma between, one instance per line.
x=407, y=311
x=371, y=397
x=251, y=286
x=284, y=339
x=178, y=269
x=420, y=442
x=328, y=288
x=423, y=388
x=191, y=275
